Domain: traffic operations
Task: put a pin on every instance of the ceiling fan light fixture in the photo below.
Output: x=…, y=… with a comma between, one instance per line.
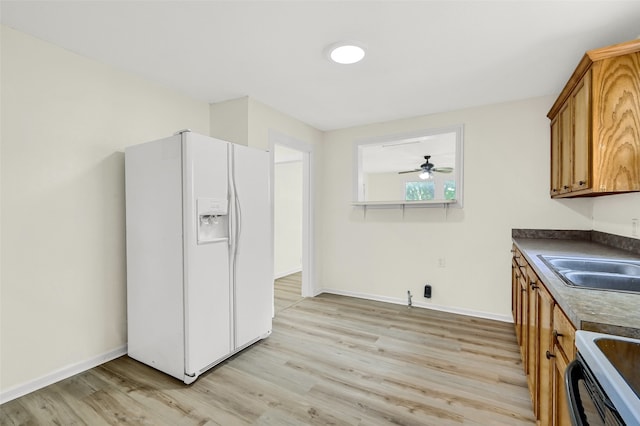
x=425, y=175
x=346, y=53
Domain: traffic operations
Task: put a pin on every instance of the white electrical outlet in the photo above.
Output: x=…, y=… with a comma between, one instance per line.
x=441, y=262
x=634, y=227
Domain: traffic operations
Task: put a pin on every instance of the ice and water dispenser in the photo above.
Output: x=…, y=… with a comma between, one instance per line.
x=213, y=220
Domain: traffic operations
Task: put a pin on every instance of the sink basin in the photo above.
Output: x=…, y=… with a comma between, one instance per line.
x=607, y=281
x=596, y=265
x=597, y=273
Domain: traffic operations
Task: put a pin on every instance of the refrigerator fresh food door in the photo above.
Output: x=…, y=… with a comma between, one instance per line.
x=207, y=290
x=252, y=261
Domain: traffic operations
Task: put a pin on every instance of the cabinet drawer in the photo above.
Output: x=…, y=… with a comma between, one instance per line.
x=533, y=279
x=518, y=257
x=564, y=333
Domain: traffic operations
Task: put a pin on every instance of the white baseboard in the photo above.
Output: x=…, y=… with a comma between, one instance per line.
x=419, y=304
x=61, y=374
x=284, y=274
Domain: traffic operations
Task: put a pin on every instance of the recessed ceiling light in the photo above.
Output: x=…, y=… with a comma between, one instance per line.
x=346, y=52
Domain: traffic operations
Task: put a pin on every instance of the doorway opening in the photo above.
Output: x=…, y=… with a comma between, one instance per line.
x=293, y=231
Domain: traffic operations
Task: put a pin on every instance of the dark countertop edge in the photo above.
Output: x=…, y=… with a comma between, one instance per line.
x=566, y=296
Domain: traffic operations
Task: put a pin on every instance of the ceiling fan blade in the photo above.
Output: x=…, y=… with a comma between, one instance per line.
x=442, y=169
x=410, y=171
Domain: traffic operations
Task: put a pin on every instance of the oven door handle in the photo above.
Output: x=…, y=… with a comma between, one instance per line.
x=572, y=375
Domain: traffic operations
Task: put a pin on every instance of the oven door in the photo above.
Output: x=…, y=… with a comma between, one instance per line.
x=588, y=404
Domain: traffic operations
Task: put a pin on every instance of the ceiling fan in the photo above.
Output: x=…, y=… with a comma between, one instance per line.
x=427, y=169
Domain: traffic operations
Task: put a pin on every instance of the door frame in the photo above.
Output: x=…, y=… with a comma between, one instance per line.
x=308, y=221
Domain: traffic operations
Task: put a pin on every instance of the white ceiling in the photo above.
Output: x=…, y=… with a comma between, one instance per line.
x=423, y=56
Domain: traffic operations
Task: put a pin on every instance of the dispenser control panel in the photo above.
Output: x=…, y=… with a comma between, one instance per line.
x=213, y=220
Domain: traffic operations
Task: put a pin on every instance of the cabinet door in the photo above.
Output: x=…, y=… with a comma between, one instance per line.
x=581, y=105
x=517, y=300
x=616, y=114
x=514, y=291
x=566, y=142
x=564, y=350
x=560, y=412
x=545, y=345
x=532, y=336
x=556, y=157
x=524, y=317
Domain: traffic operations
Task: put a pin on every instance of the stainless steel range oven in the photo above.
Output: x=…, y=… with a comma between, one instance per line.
x=603, y=382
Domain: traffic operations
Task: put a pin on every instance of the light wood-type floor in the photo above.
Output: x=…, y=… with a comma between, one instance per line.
x=331, y=360
x=287, y=291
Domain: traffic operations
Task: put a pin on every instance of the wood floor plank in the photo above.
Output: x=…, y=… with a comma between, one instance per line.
x=288, y=291
x=331, y=360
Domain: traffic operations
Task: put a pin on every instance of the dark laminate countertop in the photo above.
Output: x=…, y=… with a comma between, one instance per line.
x=594, y=310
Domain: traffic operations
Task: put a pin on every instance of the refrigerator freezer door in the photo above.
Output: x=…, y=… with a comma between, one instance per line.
x=207, y=289
x=253, y=260
x=154, y=254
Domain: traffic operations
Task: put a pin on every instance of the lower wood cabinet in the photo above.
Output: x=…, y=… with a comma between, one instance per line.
x=547, y=342
x=564, y=351
x=544, y=329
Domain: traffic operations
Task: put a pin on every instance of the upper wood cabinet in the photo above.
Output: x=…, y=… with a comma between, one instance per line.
x=595, y=125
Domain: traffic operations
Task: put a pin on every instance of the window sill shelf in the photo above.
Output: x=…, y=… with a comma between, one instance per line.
x=403, y=204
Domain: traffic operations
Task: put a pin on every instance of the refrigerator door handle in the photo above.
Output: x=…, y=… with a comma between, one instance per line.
x=237, y=210
x=230, y=227
x=231, y=200
x=238, y=222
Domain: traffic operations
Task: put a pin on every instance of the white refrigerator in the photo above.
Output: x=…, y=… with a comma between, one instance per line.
x=199, y=252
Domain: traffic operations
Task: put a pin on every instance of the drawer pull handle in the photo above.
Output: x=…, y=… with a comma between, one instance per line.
x=533, y=285
x=581, y=183
x=549, y=355
x=556, y=334
x=565, y=187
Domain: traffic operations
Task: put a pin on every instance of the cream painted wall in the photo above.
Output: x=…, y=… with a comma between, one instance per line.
x=613, y=213
x=65, y=123
x=263, y=119
x=384, y=252
x=230, y=120
x=287, y=218
x=247, y=121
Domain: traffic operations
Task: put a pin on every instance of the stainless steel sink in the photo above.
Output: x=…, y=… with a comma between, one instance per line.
x=595, y=265
x=609, y=281
x=597, y=273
